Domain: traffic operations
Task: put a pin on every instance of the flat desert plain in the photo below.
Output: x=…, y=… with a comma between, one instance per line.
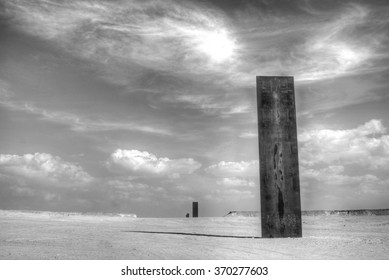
x=49, y=235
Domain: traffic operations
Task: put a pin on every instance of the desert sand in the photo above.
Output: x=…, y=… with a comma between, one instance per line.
x=48, y=235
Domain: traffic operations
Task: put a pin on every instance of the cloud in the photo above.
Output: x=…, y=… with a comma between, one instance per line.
x=147, y=164
x=335, y=49
x=249, y=135
x=235, y=182
x=331, y=175
x=367, y=145
x=144, y=46
x=149, y=33
x=344, y=169
x=234, y=169
x=334, y=180
x=210, y=98
x=44, y=168
x=229, y=195
x=343, y=39
x=125, y=189
x=138, y=44
x=77, y=122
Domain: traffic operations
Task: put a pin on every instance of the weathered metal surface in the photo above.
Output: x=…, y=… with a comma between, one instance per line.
x=278, y=154
x=195, y=209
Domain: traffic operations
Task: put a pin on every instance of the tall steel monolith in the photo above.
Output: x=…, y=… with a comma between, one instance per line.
x=195, y=209
x=278, y=155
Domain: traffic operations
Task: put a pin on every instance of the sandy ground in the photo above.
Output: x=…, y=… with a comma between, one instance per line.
x=58, y=236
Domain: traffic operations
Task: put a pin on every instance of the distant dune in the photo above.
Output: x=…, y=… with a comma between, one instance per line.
x=49, y=213
x=358, y=212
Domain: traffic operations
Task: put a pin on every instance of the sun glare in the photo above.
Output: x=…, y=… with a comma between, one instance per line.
x=217, y=45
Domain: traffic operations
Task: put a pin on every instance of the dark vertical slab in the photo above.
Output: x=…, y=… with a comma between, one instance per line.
x=195, y=209
x=278, y=155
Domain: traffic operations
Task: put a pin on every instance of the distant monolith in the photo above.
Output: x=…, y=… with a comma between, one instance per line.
x=195, y=209
x=278, y=155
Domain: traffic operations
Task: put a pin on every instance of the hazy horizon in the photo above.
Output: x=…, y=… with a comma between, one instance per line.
x=145, y=106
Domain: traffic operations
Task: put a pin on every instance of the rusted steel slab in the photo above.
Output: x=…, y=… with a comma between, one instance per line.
x=278, y=154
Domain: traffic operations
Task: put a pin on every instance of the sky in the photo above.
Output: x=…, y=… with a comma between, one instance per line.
x=145, y=106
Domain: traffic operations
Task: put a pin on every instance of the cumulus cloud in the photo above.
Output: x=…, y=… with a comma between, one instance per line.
x=144, y=163
x=234, y=169
x=331, y=175
x=44, y=168
x=367, y=145
x=333, y=180
x=350, y=162
x=249, y=134
x=125, y=184
x=235, y=182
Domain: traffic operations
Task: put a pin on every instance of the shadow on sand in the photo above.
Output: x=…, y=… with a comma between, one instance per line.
x=194, y=234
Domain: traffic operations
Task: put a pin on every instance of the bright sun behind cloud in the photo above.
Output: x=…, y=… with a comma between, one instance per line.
x=217, y=45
